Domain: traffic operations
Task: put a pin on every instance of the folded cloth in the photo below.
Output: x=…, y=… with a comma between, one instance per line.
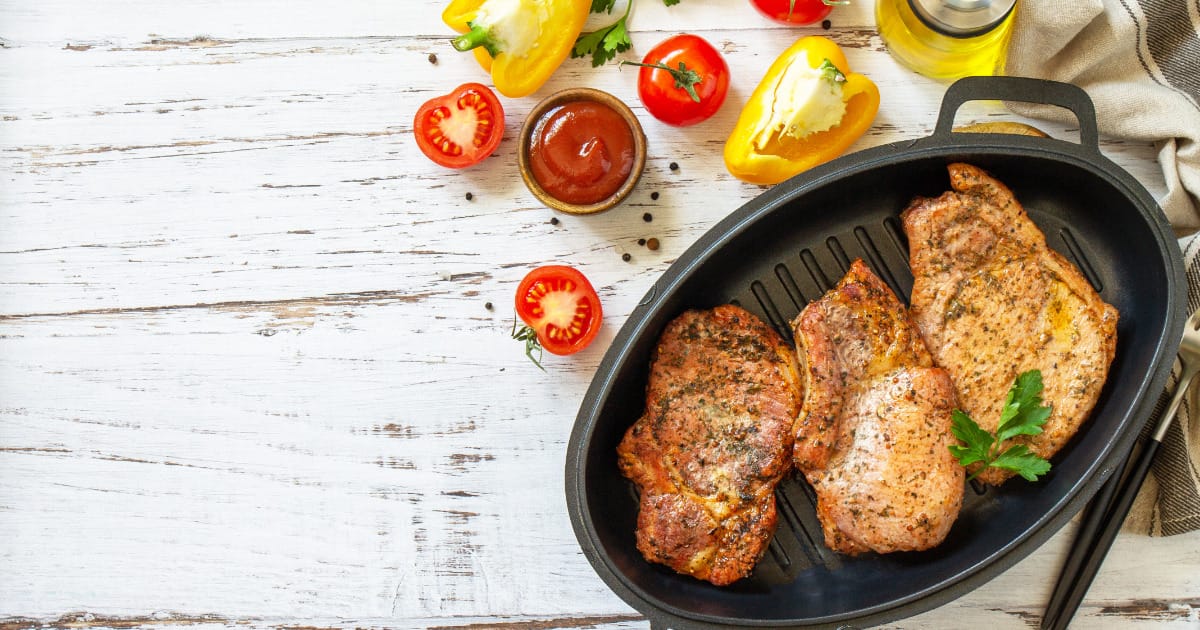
x=1139, y=61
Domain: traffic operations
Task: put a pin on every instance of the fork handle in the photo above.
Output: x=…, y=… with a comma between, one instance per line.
x=1164, y=422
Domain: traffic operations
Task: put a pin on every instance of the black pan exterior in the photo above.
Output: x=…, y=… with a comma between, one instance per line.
x=794, y=242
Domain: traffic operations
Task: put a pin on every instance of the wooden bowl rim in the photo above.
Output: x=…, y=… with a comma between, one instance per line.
x=567, y=96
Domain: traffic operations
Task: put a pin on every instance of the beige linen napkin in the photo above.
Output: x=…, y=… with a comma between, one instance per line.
x=1139, y=60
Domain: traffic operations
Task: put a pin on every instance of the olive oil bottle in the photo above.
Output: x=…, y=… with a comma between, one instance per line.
x=947, y=39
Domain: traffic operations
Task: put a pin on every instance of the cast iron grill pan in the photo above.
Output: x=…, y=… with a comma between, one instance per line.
x=793, y=243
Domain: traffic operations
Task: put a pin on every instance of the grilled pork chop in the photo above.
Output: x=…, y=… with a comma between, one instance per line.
x=712, y=443
x=992, y=301
x=873, y=433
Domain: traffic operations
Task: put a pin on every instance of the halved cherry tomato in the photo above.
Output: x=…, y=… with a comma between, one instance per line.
x=683, y=80
x=559, y=305
x=795, y=11
x=460, y=128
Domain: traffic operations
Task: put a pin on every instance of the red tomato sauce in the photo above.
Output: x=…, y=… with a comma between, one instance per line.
x=581, y=152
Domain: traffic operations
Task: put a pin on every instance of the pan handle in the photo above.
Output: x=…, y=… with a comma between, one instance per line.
x=1024, y=90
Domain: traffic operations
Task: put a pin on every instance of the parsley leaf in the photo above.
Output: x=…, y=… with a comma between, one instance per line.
x=1023, y=411
x=1023, y=414
x=978, y=442
x=1019, y=459
x=604, y=44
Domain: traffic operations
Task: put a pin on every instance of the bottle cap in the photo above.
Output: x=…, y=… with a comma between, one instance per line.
x=962, y=18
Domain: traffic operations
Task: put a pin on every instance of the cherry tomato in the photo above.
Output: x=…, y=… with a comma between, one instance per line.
x=559, y=305
x=684, y=95
x=460, y=128
x=795, y=11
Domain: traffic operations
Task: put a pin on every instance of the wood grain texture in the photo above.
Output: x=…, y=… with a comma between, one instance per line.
x=247, y=373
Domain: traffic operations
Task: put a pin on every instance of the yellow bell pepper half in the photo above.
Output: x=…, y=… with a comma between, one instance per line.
x=800, y=116
x=521, y=42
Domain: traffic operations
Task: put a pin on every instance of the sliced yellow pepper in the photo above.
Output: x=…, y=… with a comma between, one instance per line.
x=807, y=110
x=521, y=42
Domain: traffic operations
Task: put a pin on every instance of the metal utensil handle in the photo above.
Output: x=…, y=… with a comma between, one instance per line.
x=1024, y=90
x=1064, y=604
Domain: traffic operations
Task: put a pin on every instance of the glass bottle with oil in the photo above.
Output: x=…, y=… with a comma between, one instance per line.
x=947, y=39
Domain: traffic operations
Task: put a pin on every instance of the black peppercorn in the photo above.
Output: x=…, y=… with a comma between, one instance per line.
x=487, y=305
x=470, y=196
x=553, y=220
x=647, y=217
x=674, y=166
x=433, y=58
x=641, y=241
x=654, y=195
x=826, y=24
x=626, y=257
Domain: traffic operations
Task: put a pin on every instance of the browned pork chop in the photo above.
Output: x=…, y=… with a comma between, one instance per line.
x=712, y=443
x=992, y=301
x=873, y=433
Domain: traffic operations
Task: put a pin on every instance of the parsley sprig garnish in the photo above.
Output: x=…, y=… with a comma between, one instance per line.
x=603, y=44
x=1023, y=414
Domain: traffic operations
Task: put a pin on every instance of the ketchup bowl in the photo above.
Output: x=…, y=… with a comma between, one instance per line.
x=581, y=151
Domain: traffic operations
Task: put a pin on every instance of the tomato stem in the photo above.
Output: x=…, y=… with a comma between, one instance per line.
x=685, y=78
x=529, y=336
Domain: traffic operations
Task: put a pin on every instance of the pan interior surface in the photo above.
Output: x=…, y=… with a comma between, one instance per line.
x=793, y=249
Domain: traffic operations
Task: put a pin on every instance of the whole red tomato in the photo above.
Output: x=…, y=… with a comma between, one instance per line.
x=683, y=80
x=795, y=11
x=460, y=128
x=560, y=309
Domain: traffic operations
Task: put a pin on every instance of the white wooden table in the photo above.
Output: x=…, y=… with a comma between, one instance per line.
x=247, y=372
